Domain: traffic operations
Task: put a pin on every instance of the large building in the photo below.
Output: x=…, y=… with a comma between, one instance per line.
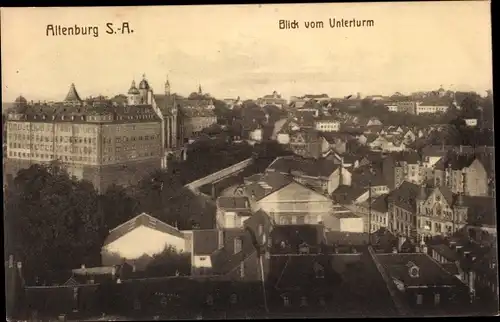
x=98, y=140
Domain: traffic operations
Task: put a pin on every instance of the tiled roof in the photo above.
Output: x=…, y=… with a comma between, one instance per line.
x=380, y=203
x=225, y=259
x=103, y=112
x=332, y=137
x=299, y=273
x=72, y=95
x=482, y=210
x=233, y=203
x=430, y=273
x=364, y=176
x=205, y=242
x=141, y=220
x=268, y=183
x=347, y=194
x=405, y=196
x=445, y=251
x=341, y=238
x=296, y=165
x=455, y=161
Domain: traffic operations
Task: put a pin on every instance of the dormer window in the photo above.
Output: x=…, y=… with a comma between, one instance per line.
x=413, y=271
x=304, y=248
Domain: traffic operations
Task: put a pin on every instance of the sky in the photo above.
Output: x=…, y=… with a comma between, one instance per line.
x=240, y=50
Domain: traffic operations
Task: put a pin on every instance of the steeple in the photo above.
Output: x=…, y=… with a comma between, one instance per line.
x=133, y=89
x=72, y=95
x=167, y=87
x=199, y=89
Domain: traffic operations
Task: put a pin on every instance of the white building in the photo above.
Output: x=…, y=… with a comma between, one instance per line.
x=430, y=109
x=471, y=122
x=141, y=237
x=327, y=125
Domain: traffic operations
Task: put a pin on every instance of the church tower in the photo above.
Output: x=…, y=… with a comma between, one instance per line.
x=133, y=95
x=144, y=90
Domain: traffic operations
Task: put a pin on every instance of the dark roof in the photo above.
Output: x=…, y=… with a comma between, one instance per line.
x=268, y=183
x=72, y=95
x=133, y=89
x=345, y=238
x=141, y=220
x=381, y=203
x=430, y=273
x=347, y=194
x=296, y=165
x=96, y=112
x=332, y=137
x=299, y=273
x=364, y=176
x=294, y=235
x=455, y=161
x=481, y=210
x=238, y=203
x=144, y=84
x=225, y=259
x=445, y=251
x=205, y=242
x=21, y=100
x=405, y=196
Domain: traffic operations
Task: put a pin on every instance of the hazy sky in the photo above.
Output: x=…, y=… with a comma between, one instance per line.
x=239, y=50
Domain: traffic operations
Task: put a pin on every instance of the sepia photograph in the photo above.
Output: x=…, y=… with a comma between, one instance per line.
x=249, y=161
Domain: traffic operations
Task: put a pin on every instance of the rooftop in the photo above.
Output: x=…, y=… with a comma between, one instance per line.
x=428, y=273
x=296, y=165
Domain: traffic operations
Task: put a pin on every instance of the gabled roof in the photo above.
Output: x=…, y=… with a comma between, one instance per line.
x=364, y=176
x=455, y=161
x=141, y=220
x=296, y=165
x=430, y=273
x=341, y=238
x=268, y=183
x=445, y=251
x=380, y=203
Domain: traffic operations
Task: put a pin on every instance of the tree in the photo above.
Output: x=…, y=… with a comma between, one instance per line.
x=55, y=222
x=169, y=263
x=117, y=206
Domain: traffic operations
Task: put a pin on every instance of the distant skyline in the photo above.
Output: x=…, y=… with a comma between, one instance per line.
x=240, y=51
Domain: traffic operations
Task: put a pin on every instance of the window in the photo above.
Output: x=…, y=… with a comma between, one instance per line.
x=242, y=269
x=437, y=298
x=322, y=301
x=420, y=299
x=286, y=300
x=303, y=301
x=233, y=298
x=210, y=300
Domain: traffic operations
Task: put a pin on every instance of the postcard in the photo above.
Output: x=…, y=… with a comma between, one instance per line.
x=249, y=161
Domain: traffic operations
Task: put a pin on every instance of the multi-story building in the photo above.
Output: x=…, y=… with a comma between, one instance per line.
x=327, y=125
x=430, y=109
x=273, y=99
x=462, y=173
x=403, y=167
x=232, y=212
x=97, y=141
x=323, y=175
x=409, y=107
x=402, y=209
x=308, y=143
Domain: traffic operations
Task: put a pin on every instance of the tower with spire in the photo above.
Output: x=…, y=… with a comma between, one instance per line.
x=72, y=97
x=144, y=90
x=133, y=95
x=199, y=90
